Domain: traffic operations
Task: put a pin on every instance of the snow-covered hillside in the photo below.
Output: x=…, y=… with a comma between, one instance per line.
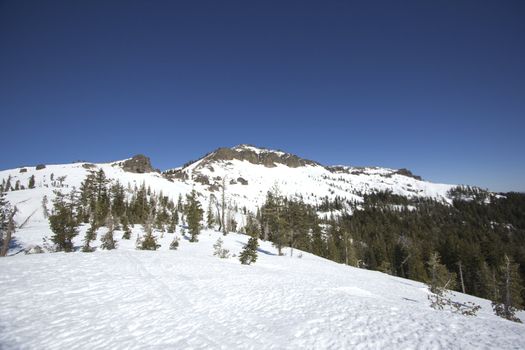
x=248, y=172
x=189, y=299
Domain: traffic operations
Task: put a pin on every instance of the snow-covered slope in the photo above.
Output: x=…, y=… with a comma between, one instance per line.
x=126, y=299
x=248, y=172
x=189, y=299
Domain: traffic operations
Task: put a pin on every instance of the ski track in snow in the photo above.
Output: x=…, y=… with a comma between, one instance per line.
x=189, y=299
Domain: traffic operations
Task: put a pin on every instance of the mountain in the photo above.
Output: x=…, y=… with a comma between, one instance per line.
x=249, y=173
x=325, y=220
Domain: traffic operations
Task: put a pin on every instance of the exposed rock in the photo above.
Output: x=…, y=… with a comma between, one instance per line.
x=203, y=179
x=23, y=170
x=35, y=250
x=40, y=166
x=242, y=181
x=138, y=164
x=264, y=157
x=406, y=172
x=88, y=166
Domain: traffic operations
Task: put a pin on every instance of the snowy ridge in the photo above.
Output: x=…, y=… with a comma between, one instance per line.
x=247, y=182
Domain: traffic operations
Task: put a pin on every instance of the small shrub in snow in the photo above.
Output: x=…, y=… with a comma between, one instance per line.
x=219, y=251
x=174, y=244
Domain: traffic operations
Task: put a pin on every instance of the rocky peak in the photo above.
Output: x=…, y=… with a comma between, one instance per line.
x=137, y=164
x=262, y=156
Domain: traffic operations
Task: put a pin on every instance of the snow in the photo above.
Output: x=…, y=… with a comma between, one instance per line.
x=129, y=299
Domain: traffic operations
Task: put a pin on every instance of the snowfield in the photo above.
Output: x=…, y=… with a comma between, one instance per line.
x=190, y=299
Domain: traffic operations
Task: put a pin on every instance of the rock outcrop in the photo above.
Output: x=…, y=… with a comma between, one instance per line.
x=138, y=164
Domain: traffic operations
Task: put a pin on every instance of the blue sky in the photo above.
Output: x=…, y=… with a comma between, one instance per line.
x=434, y=86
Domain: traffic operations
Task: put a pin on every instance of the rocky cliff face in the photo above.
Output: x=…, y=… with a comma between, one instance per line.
x=138, y=164
x=259, y=156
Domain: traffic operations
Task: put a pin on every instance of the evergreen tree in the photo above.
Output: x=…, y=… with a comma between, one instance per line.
x=508, y=296
x=126, y=228
x=45, y=210
x=194, y=215
x=31, y=182
x=108, y=241
x=173, y=221
x=7, y=186
x=209, y=214
x=63, y=223
x=90, y=236
x=149, y=241
x=7, y=224
x=249, y=252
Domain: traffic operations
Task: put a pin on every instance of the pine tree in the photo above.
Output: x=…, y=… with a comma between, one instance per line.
x=209, y=214
x=7, y=186
x=45, y=210
x=126, y=228
x=31, y=182
x=90, y=236
x=108, y=241
x=249, y=252
x=149, y=241
x=63, y=223
x=194, y=215
x=173, y=221
x=508, y=296
x=7, y=224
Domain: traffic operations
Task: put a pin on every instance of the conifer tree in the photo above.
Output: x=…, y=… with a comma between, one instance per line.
x=7, y=186
x=126, y=228
x=31, y=182
x=45, y=210
x=90, y=236
x=193, y=215
x=63, y=223
x=108, y=241
x=7, y=224
x=209, y=214
x=249, y=252
x=508, y=295
x=173, y=220
x=149, y=241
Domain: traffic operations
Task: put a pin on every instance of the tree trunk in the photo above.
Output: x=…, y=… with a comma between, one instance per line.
x=508, y=300
x=461, y=278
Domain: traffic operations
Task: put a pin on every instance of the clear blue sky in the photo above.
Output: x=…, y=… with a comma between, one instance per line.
x=434, y=86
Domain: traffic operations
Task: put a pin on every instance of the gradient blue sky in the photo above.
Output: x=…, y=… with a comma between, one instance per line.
x=434, y=86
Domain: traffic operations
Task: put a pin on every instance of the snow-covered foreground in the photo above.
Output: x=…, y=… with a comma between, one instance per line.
x=189, y=299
